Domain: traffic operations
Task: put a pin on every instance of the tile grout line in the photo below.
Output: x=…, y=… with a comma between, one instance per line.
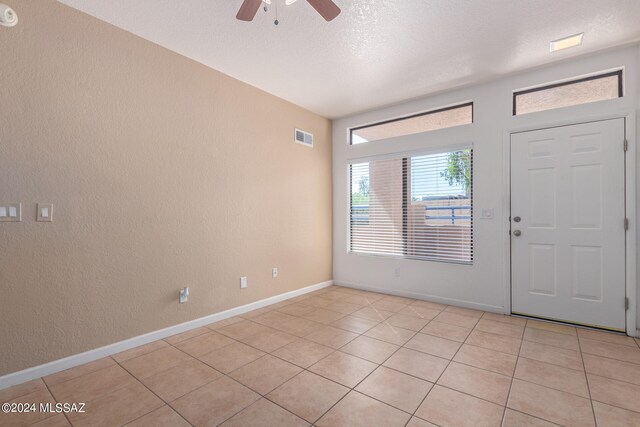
x=611, y=404
x=233, y=379
x=534, y=416
x=476, y=367
x=93, y=372
x=449, y=362
x=578, y=338
x=54, y=398
x=350, y=388
x=382, y=365
x=264, y=396
x=513, y=376
x=353, y=389
x=196, y=358
x=402, y=346
x=613, y=379
x=611, y=358
x=442, y=373
x=280, y=406
x=586, y=377
x=155, y=394
x=241, y=409
x=79, y=376
x=360, y=334
x=138, y=380
x=436, y=381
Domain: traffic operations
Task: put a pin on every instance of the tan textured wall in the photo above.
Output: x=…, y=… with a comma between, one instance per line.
x=163, y=173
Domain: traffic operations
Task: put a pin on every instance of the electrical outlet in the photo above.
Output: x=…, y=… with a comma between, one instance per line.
x=184, y=295
x=274, y=272
x=45, y=212
x=396, y=272
x=243, y=282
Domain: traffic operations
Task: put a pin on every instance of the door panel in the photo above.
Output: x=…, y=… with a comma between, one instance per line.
x=586, y=181
x=567, y=190
x=542, y=203
x=542, y=269
x=587, y=273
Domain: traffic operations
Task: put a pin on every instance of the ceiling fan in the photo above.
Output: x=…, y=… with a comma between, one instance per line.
x=327, y=8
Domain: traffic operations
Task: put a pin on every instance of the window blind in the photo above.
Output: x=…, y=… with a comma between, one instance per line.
x=418, y=207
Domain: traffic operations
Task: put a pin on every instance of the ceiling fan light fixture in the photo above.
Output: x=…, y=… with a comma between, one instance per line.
x=326, y=8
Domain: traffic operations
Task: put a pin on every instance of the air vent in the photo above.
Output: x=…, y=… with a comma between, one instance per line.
x=304, y=138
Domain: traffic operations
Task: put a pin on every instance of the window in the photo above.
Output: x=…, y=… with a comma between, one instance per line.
x=423, y=122
x=418, y=207
x=565, y=94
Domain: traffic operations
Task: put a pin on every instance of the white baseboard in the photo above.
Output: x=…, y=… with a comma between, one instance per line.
x=425, y=297
x=98, y=353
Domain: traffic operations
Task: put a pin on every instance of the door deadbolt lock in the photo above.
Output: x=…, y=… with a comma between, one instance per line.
x=517, y=233
x=516, y=219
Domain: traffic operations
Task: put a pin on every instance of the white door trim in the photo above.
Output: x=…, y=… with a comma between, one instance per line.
x=630, y=202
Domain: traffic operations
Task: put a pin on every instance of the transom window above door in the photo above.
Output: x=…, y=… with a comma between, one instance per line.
x=600, y=87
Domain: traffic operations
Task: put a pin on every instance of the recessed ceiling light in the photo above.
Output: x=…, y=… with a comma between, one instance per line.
x=566, y=43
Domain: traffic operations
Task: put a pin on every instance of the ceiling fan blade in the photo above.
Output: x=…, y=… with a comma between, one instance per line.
x=327, y=8
x=248, y=10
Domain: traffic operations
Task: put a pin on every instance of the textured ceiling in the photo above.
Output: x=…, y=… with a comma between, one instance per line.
x=376, y=52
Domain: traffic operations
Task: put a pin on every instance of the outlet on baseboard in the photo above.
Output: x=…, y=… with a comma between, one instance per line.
x=243, y=282
x=274, y=272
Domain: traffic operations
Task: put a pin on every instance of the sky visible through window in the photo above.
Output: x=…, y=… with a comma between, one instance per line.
x=427, y=178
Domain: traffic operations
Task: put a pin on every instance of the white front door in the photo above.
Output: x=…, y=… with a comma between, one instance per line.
x=567, y=223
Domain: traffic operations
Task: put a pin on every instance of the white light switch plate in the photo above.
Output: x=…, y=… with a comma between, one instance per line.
x=10, y=212
x=486, y=213
x=45, y=212
x=243, y=282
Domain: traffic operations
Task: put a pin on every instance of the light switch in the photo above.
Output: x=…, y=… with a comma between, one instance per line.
x=486, y=213
x=10, y=212
x=45, y=212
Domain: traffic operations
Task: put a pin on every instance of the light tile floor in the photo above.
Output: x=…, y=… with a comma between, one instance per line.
x=344, y=357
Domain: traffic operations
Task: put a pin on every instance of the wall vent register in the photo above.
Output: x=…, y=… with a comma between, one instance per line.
x=304, y=138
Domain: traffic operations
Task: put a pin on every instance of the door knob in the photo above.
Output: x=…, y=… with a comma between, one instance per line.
x=517, y=233
x=516, y=219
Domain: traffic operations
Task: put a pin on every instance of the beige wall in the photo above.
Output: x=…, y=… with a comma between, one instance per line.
x=163, y=173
